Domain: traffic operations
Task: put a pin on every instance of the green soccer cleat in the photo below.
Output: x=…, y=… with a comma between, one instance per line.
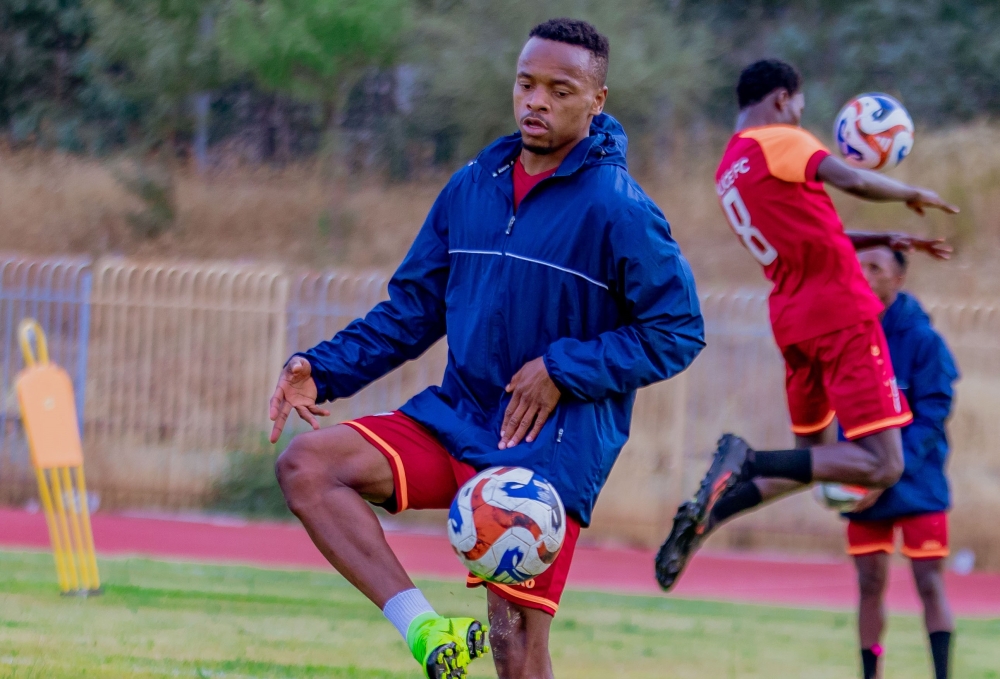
x=446, y=646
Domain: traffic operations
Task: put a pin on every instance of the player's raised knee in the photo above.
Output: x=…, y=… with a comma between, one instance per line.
x=888, y=468
x=318, y=461
x=296, y=470
x=883, y=465
x=309, y=465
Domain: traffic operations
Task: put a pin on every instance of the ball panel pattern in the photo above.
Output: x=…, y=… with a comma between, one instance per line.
x=507, y=524
x=874, y=131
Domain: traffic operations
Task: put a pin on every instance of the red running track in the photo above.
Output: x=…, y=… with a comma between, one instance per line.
x=714, y=576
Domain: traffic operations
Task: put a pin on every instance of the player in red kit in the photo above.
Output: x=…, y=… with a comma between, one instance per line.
x=824, y=315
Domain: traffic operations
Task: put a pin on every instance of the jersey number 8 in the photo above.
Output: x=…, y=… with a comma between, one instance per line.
x=739, y=218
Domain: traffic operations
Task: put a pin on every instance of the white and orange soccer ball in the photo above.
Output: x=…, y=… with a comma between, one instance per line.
x=874, y=131
x=507, y=525
x=840, y=497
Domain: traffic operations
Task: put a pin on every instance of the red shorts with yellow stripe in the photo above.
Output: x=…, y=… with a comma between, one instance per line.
x=925, y=536
x=425, y=476
x=845, y=374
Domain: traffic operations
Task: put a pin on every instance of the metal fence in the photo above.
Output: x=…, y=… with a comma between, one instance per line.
x=181, y=358
x=56, y=292
x=174, y=365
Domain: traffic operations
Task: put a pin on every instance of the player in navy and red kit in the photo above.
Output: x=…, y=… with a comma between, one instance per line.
x=823, y=314
x=560, y=291
x=917, y=505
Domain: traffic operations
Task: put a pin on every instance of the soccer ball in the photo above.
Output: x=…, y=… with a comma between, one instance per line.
x=840, y=497
x=507, y=525
x=874, y=131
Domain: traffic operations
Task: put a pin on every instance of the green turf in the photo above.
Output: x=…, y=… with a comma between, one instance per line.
x=160, y=619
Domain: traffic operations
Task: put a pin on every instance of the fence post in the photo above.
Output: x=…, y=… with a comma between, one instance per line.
x=83, y=344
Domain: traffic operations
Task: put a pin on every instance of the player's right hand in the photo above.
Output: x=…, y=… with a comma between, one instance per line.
x=925, y=198
x=296, y=389
x=935, y=247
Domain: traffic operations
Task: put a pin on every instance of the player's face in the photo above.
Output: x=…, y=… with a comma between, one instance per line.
x=556, y=94
x=882, y=273
x=797, y=104
x=790, y=107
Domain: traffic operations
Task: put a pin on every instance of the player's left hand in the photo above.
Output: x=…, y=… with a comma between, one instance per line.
x=925, y=198
x=534, y=398
x=935, y=247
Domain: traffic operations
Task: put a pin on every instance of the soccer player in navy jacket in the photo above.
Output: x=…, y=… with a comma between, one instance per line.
x=917, y=503
x=561, y=292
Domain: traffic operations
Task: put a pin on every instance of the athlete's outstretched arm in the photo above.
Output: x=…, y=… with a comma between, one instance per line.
x=396, y=330
x=874, y=186
x=935, y=247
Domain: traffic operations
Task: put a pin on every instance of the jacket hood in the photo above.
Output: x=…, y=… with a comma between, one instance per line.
x=904, y=314
x=606, y=145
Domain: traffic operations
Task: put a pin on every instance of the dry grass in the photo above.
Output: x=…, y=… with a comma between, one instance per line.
x=59, y=204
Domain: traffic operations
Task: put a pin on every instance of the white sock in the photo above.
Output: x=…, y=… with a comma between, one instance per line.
x=401, y=609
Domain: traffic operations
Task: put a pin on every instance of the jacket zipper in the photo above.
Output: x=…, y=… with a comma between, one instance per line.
x=510, y=227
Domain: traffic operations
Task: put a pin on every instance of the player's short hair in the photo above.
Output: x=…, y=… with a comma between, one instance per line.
x=582, y=34
x=901, y=261
x=762, y=77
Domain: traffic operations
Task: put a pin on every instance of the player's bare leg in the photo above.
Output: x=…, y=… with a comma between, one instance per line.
x=328, y=476
x=873, y=579
x=874, y=461
x=519, y=638
x=741, y=479
x=928, y=575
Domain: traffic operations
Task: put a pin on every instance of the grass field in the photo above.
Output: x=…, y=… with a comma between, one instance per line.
x=160, y=619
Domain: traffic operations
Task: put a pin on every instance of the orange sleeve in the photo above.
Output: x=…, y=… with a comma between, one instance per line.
x=791, y=153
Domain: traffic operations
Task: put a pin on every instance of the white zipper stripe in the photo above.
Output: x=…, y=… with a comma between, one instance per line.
x=475, y=252
x=529, y=259
x=560, y=268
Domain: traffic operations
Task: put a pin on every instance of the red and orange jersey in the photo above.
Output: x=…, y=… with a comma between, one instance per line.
x=770, y=194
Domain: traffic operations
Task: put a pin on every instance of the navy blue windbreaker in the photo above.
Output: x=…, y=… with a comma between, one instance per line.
x=925, y=372
x=584, y=274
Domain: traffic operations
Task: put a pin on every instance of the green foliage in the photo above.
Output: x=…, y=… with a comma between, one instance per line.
x=248, y=487
x=312, y=48
x=153, y=184
x=399, y=76
x=47, y=91
x=467, y=55
x=157, y=54
x=941, y=57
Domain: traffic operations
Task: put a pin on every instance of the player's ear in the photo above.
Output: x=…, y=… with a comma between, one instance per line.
x=599, y=100
x=782, y=99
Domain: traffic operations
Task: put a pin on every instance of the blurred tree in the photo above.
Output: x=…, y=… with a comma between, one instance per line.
x=432, y=78
x=314, y=50
x=158, y=55
x=466, y=52
x=941, y=57
x=46, y=90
